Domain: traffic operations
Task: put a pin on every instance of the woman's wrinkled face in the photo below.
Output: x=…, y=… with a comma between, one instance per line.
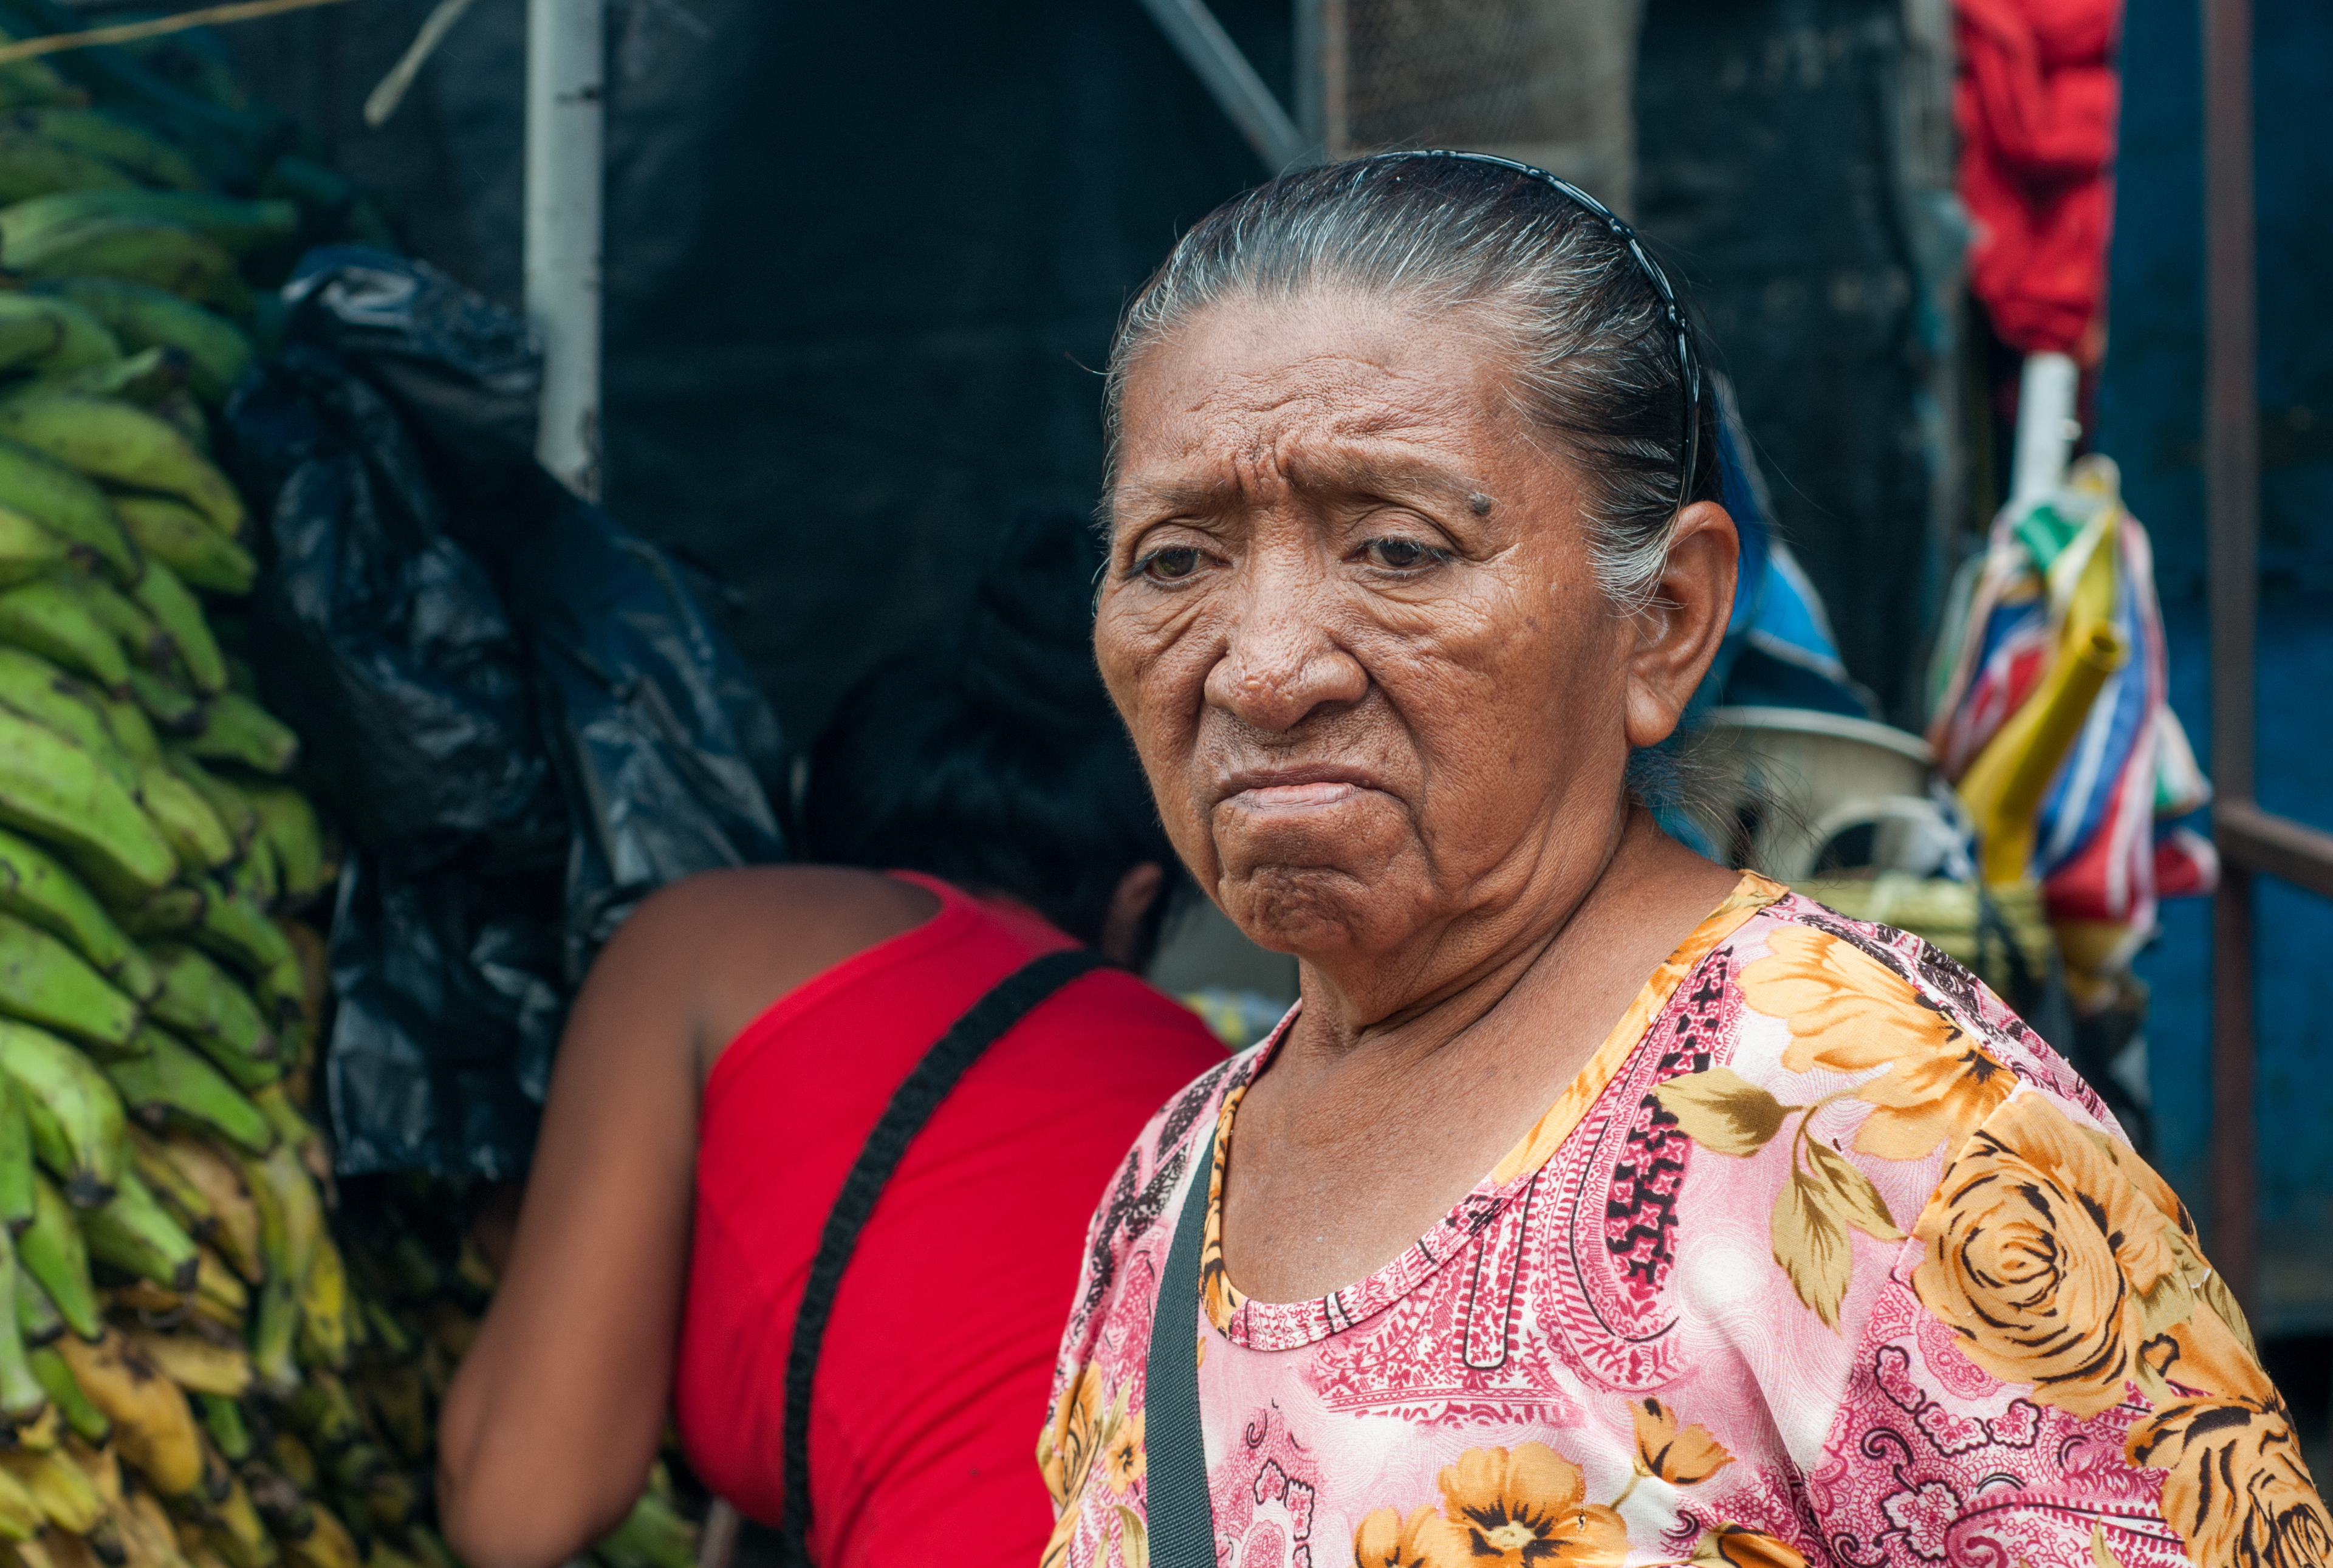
x=1351, y=623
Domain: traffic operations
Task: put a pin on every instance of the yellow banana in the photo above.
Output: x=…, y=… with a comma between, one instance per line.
x=323, y=1337
x=65, y=503
x=196, y=1364
x=35, y=888
x=43, y=981
x=21, y=1519
x=154, y=1430
x=171, y=1081
x=64, y=1494
x=323, y=1416
x=168, y=530
x=293, y=1125
x=327, y=1546
x=135, y=1234
x=206, y=1190
x=51, y=619
x=53, y=789
x=291, y=1457
x=234, y=1528
x=125, y=446
x=146, y=1532
x=291, y=1225
x=78, y=1129
x=219, y=1294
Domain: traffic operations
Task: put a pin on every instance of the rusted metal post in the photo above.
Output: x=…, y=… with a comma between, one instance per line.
x=2231, y=487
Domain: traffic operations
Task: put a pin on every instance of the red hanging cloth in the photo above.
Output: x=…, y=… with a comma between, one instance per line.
x=2035, y=105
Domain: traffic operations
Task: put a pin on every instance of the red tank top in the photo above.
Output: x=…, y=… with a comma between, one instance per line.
x=932, y=1384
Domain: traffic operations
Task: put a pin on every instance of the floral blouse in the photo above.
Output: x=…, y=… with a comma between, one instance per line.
x=1823, y=1258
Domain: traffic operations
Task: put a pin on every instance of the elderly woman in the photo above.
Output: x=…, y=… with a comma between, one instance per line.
x=1597, y=1204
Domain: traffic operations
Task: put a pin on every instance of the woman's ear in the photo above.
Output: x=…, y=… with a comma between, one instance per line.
x=1129, y=901
x=1678, y=632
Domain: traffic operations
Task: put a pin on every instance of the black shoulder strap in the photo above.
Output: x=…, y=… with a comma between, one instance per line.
x=912, y=1104
x=1182, y=1523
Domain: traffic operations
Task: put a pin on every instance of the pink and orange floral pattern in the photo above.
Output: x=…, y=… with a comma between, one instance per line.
x=1825, y=1259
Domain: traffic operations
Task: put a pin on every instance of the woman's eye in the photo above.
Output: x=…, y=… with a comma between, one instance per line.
x=1171, y=566
x=1401, y=554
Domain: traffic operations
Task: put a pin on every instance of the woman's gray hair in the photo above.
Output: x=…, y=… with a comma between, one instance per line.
x=1595, y=363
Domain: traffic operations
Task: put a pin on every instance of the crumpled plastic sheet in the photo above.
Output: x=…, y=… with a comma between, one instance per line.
x=520, y=711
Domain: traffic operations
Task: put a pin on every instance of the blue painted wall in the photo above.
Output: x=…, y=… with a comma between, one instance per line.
x=2150, y=419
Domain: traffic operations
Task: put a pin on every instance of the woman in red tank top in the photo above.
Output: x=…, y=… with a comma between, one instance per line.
x=730, y=1053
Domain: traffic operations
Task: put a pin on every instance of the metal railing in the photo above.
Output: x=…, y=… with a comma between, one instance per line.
x=2252, y=841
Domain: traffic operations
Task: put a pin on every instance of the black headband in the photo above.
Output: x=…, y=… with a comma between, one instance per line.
x=1688, y=363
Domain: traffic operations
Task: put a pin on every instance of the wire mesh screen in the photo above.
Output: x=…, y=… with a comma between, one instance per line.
x=1545, y=80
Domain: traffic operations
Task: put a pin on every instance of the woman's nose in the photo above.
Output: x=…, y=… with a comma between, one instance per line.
x=1282, y=661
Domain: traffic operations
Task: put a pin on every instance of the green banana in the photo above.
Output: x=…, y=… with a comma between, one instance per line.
x=34, y=887
x=165, y=596
x=178, y=908
x=171, y=1080
x=139, y=250
x=143, y=641
x=43, y=981
x=38, y=690
x=288, y=823
x=35, y=84
x=133, y=730
x=292, y=1222
x=146, y=378
x=144, y=317
x=652, y=1536
x=53, y=1254
x=53, y=789
x=26, y=336
x=28, y=551
x=299, y=1134
x=170, y=531
x=120, y=143
x=179, y=409
x=222, y=1421
x=63, y=502
x=135, y=1234
x=38, y=1322
x=238, y=226
x=76, y=338
x=54, y=621
x=194, y=832
x=166, y=703
x=15, y=1161
x=239, y=931
x=78, y=1129
x=205, y=1005
x=31, y=165
x=256, y=876
x=56, y=1379
x=111, y=440
x=226, y=798
x=237, y=729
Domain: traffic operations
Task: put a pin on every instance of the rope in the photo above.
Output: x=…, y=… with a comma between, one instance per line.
x=131, y=32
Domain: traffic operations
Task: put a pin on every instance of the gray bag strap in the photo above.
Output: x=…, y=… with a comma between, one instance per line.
x=1182, y=1523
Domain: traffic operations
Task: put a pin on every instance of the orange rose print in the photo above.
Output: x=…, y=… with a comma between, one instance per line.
x=1731, y=1547
x=1522, y=1508
x=1849, y=1013
x=2049, y=1262
x=2234, y=1486
x=1066, y=1447
x=1682, y=1458
x=1387, y=1540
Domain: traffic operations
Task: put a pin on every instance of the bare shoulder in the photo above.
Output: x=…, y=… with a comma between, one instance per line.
x=738, y=940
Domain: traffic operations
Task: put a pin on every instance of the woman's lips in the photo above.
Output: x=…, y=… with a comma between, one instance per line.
x=1292, y=796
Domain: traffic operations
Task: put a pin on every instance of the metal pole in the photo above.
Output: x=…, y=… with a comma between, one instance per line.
x=2232, y=486
x=566, y=52
x=1226, y=74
